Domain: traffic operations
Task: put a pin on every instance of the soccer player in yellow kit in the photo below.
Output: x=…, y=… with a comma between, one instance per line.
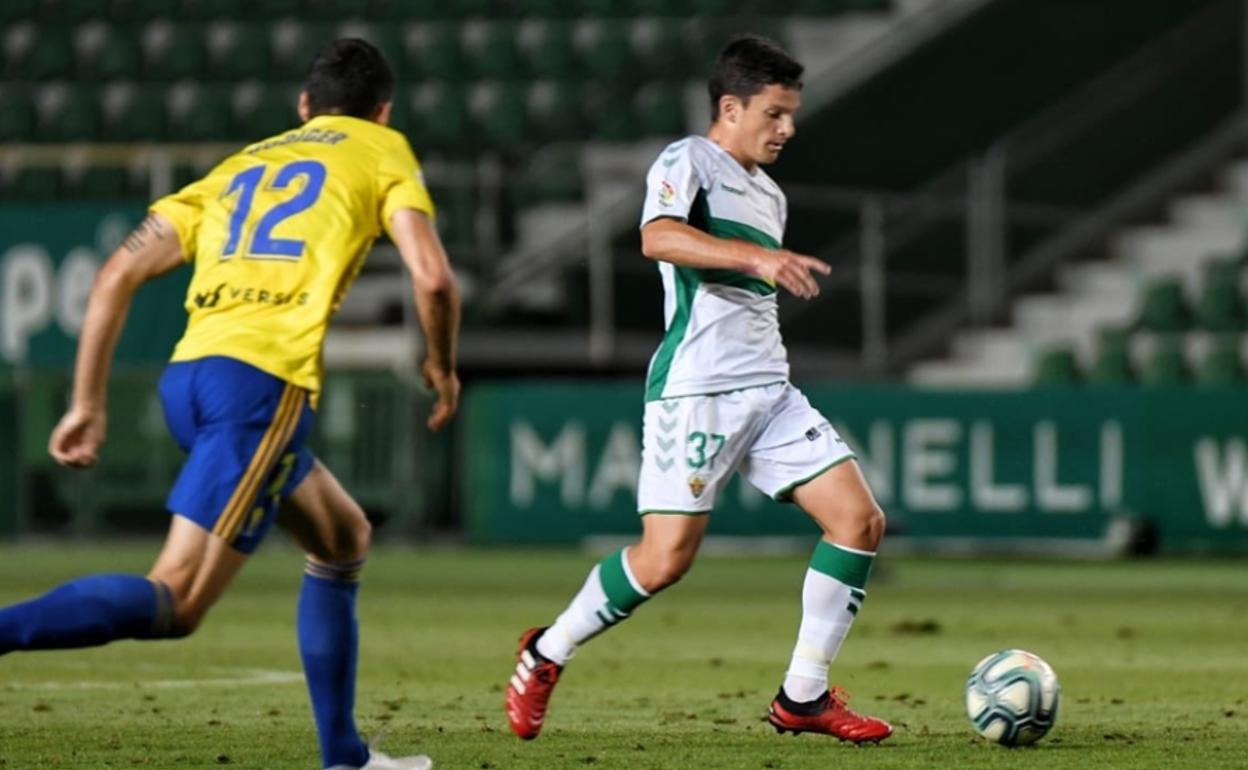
x=276, y=234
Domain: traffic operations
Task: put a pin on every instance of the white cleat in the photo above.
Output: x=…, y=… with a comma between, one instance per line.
x=379, y=761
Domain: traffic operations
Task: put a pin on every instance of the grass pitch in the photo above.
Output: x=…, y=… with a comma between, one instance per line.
x=1151, y=657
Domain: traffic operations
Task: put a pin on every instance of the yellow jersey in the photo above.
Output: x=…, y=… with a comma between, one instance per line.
x=278, y=232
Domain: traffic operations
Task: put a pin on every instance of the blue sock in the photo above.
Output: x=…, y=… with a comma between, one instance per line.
x=87, y=612
x=328, y=643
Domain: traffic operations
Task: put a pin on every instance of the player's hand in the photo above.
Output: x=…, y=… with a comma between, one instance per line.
x=76, y=439
x=791, y=271
x=445, y=383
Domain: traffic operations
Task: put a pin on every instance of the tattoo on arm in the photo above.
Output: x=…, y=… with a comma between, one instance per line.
x=149, y=227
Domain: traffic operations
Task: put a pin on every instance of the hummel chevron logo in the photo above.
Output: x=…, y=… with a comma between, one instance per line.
x=665, y=443
x=664, y=463
x=669, y=406
x=666, y=426
x=670, y=163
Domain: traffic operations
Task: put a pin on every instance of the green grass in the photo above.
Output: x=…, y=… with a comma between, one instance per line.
x=1150, y=655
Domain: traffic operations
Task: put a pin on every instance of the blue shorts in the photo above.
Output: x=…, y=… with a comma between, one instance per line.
x=244, y=432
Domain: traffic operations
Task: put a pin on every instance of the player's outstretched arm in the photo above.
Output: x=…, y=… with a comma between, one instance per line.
x=153, y=249
x=437, y=303
x=671, y=240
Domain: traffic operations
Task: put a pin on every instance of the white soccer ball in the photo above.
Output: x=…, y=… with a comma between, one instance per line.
x=1012, y=697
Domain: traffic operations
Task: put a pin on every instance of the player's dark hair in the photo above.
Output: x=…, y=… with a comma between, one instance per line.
x=747, y=65
x=348, y=77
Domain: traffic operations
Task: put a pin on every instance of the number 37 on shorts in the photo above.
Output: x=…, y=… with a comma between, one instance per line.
x=770, y=434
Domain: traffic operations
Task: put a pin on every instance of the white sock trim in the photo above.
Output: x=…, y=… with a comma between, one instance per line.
x=858, y=551
x=628, y=573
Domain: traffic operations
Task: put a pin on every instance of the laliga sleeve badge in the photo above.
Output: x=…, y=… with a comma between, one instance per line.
x=667, y=194
x=696, y=485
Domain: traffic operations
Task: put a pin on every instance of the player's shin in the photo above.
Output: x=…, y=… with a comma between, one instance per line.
x=609, y=595
x=328, y=645
x=831, y=597
x=87, y=612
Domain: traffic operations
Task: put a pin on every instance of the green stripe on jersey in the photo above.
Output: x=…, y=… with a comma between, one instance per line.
x=621, y=596
x=740, y=280
x=727, y=228
x=850, y=568
x=686, y=280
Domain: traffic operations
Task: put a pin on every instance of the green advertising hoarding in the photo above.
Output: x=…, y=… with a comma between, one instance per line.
x=558, y=462
x=49, y=256
x=10, y=500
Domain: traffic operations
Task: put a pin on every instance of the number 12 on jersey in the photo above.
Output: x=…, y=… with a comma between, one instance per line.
x=262, y=244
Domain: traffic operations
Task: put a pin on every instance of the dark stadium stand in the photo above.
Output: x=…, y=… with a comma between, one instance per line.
x=527, y=84
x=1177, y=339
x=475, y=77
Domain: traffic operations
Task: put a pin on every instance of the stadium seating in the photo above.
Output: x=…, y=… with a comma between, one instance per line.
x=1058, y=366
x=50, y=57
x=1221, y=305
x=71, y=115
x=493, y=51
x=659, y=109
x=1169, y=307
x=1112, y=365
x=497, y=78
x=1223, y=365
x=199, y=113
x=17, y=10
x=548, y=50
x=173, y=52
x=553, y=174
x=132, y=113
x=162, y=43
x=1168, y=337
x=1165, y=308
x=17, y=114
x=104, y=53
x=555, y=111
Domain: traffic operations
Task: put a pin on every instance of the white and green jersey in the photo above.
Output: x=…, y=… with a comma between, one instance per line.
x=723, y=331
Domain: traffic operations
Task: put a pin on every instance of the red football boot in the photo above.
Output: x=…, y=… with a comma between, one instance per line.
x=828, y=715
x=530, y=687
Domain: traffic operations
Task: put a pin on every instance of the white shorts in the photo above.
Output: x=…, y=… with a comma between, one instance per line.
x=692, y=444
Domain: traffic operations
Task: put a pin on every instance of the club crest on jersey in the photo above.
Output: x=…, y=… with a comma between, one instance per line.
x=696, y=485
x=667, y=194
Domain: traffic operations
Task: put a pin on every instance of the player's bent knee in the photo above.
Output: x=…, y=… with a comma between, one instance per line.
x=352, y=541
x=858, y=527
x=871, y=520
x=665, y=570
x=187, y=617
x=361, y=537
x=178, y=622
x=179, y=613
x=180, y=629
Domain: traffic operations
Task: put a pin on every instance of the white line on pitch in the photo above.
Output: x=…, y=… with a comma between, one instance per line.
x=256, y=677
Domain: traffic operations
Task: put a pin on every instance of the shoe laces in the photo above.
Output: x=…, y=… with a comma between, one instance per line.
x=839, y=695
x=546, y=673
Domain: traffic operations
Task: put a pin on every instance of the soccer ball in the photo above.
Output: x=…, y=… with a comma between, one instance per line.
x=1012, y=697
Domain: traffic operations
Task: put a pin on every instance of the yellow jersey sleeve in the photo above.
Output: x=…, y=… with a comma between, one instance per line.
x=184, y=210
x=278, y=232
x=400, y=184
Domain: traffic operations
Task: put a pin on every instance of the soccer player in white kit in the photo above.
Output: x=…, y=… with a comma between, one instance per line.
x=718, y=400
